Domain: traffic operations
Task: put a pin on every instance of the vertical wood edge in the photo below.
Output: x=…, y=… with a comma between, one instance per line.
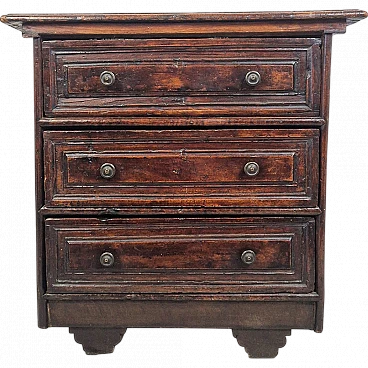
x=320, y=221
x=40, y=246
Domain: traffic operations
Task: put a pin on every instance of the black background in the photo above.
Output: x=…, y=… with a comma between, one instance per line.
x=349, y=116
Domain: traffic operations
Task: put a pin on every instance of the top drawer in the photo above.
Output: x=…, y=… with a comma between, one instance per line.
x=176, y=77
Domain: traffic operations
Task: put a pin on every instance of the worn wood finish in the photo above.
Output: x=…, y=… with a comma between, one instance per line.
x=178, y=122
x=39, y=187
x=261, y=343
x=320, y=223
x=191, y=313
x=180, y=211
x=97, y=340
x=173, y=255
x=350, y=16
x=182, y=77
x=176, y=25
x=182, y=169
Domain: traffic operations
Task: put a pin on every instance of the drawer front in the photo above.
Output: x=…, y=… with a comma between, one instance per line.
x=179, y=170
x=182, y=77
x=193, y=255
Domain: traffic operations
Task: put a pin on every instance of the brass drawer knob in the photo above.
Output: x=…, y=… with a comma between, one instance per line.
x=107, y=259
x=107, y=171
x=248, y=257
x=253, y=78
x=107, y=78
x=251, y=168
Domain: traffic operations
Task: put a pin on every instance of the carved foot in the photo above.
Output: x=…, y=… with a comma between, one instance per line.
x=97, y=340
x=261, y=343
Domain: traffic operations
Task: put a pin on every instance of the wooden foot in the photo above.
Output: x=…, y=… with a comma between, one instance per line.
x=261, y=343
x=97, y=340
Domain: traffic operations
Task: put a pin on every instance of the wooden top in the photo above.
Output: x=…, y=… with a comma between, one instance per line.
x=299, y=22
x=351, y=16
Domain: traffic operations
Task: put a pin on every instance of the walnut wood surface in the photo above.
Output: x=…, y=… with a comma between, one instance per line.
x=173, y=255
x=261, y=343
x=97, y=340
x=203, y=24
x=180, y=211
x=182, y=77
x=190, y=313
x=182, y=169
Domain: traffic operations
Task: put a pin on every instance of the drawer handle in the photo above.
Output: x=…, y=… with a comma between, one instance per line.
x=251, y=168
x=253, y=78
x=107, y=78
x=107, y=259
x=107, y=171
x=248, y=257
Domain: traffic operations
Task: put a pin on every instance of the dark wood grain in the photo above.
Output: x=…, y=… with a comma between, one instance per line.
x=39, y=187
x=182, y=168
x=351, y=15
x=204, y=24
x=320, y=223
x=261, y=343
x=136, y=77
x=97, y=340
x=191, y=313
x=168, y=255
x=182, y=77
x=179, y=124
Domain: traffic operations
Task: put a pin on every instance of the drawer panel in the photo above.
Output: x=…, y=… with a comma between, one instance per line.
x=168, y=77
x=148, y=77
x=182, y=169
x=195, y=254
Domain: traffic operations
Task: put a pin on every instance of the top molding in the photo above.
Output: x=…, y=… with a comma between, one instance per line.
x=184, y=24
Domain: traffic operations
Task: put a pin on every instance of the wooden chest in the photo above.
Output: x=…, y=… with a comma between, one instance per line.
x=181, y=172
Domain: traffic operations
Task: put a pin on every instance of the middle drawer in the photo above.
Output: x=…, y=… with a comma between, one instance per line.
x=182, y=169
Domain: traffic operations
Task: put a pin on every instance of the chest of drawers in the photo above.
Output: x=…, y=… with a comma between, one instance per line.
x=181, y=172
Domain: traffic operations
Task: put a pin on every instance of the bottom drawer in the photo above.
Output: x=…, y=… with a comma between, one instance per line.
x=195, y=255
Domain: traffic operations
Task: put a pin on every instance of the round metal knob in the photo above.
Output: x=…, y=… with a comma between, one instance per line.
x=107, y=171
x=107, y=78
x=253, y=78
x=248, y=257
x=251, y=168
x=107, y=259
